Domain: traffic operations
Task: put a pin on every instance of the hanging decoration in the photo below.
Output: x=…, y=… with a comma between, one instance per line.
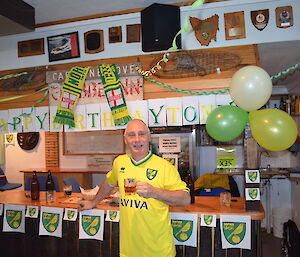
x=114, y=93
x=70, y=94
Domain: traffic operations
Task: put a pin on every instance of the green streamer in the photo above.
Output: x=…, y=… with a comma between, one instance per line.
x=288, y=70
x=8, y=76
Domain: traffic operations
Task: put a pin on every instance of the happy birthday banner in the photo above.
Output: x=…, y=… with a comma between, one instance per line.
x=160, y=112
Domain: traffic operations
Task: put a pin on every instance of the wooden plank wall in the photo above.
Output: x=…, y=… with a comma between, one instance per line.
x=212, y=82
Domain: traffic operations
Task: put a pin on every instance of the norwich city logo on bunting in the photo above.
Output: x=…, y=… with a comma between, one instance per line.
x=208, y=220
x=51, y=221
x=70, y=214
x=113, y=216
x=14, y=219
x=91, y=224
x=252, y=194
x=32, y=211
x=252, y=176
x=235, y=231
x=184, y=228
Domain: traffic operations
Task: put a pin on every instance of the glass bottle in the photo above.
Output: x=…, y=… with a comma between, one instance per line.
x=50, y=188
x=190, y=184
x=35, y=187
x=282, y=105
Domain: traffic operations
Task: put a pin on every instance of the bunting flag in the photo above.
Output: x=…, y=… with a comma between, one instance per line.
x=113, y=216
x=235, y=231
x=91, y=224
x=1, y=209
x=70, y=214
x=51, y=221
x=14, y=218
x=114, y=93
x=32, y=212
x=252, y=176
x=70, y=94
x=208, y=220
x=184, y=228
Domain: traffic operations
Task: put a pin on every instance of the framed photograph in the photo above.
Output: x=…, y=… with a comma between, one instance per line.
x=234, y=25
x=31, y=47
x=115, y=34
x=133, y=33
x=64, y=46
x=93, y=41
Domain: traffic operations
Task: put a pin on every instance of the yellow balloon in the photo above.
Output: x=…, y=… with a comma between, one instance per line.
x=250, y=88
x=273, y=129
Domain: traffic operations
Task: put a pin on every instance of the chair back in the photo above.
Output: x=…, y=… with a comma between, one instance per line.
x=71, y=181
x=3, y=180
x=42, y=182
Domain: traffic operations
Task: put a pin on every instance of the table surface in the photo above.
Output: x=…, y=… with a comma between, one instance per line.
x=202, y=205
x=56, y=170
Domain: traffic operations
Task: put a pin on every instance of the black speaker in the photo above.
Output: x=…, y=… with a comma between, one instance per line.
x=160, y=23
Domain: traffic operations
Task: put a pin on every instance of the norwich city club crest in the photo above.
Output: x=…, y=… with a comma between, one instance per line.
x=150, y=173
x=112, y=215
x=208, y=219
x=182, y=229
x=70, y=214
x=32, y=211
x=50, y=221
x=253, y=193
x=234, y=232
x=9, y=138
x=14, y=218
x=90, y=224
x=252, y=175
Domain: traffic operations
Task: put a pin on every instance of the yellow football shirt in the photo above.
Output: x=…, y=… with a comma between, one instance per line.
x=145, y=227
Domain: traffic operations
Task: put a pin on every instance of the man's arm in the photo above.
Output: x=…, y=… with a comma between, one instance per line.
x=103, y=191
x=173, y=198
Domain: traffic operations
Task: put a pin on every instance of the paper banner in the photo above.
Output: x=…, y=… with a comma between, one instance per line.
x=252, y=194
x=70, y=214
x=1, y=209
x=184, y=228
x=14, y=218
x=190, y=110
x=113, y=216
x=91, y=224
x=51, y=221
x=208, y=220
x=252, y=176
x=174, y=111
x=235, y=231
x=32, y=212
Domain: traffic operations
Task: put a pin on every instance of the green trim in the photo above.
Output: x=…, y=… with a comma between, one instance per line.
x=141, y=162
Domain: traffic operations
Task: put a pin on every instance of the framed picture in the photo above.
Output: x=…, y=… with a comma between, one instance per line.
x=64, y=46
x=234, y=25
x=31, y=47
x=93, y=41
x=115, y=34
x=133, y=33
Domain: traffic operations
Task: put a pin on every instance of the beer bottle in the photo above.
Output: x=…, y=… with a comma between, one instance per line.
x=50, y=188
x=35, y=187
x=190, y=184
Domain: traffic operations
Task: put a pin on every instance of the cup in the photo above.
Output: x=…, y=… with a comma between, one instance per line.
x=225, y=199
x=130, y=186
x=68, y=190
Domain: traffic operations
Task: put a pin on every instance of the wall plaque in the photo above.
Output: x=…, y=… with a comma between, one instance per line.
x=93, y=41
x=133, y=33
x=234, y=25
x=115, y=34
x=31, y=47
x=284, y=16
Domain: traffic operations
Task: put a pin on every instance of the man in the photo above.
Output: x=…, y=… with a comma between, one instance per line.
x=145, y=228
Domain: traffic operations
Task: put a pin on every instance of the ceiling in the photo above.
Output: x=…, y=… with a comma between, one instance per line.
x=275, y=57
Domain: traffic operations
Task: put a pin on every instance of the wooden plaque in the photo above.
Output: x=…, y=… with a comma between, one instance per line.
x=284, y=16
x=234, y=25
x=133, y=33
x=115, y=34
x=93, y=41
x=31, y=47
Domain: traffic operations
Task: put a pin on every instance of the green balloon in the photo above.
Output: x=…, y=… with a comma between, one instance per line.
x=226, y=123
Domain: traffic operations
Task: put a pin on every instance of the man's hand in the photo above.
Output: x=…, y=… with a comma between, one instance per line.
x=145, y=190
x=86, y=205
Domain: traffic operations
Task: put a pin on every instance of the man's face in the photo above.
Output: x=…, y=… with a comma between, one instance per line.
x=137, y=138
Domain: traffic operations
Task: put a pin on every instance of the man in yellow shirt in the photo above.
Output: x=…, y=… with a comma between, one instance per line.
x=145, y=228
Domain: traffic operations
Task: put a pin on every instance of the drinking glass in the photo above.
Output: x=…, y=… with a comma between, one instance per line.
x=68, y=190
x=130, y=186
x=225, y=199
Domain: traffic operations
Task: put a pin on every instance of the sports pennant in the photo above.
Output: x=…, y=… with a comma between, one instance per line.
x=235, y=231
x=71, y=214
x=208, y=220
x=184, y=228
x=113, y=216
x=70, y=94
x=51, y=221
x=14, y=218
x=114, y=93
x=32, y=212
x=91, y=224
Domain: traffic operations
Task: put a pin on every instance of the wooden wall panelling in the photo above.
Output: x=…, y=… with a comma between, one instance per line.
x=52, y=150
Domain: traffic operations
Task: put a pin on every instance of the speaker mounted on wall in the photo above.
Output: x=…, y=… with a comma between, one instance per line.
x=160, y=23
x=93, y=41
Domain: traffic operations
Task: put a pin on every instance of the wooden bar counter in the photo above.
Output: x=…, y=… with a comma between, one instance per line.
x=31, y=244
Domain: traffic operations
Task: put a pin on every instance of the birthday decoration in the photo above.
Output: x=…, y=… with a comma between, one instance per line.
x=51, y=221
x=114, y=93
x=91, y=224
x=14, y=218
x=273, y=129
x=71, y=91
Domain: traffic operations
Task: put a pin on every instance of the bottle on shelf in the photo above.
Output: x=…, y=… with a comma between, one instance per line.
x=35, y=187
x=190, y=184
x=282, y=105
x=50, y=188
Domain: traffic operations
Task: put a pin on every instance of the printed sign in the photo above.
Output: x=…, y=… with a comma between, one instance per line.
x=14, y=218
x=91, y=224
x=169, y=145
x=226, y=157
x=51, y=221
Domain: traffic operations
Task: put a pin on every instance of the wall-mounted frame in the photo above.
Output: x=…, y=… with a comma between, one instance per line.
x=31, y=47
x=64, y=46
x=115, y=34
x=234, y=25
x=133, y=33
x=93, y=41
x=104, y=142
